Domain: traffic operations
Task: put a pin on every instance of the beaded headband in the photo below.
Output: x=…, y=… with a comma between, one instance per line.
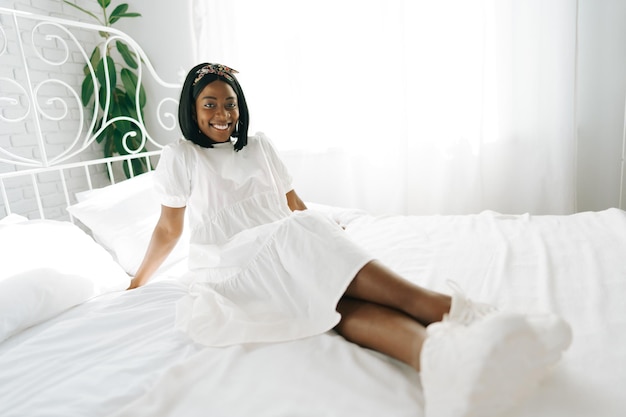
x=219, y=69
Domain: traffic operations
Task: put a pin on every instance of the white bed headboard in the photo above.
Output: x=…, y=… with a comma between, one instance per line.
x=48, y=146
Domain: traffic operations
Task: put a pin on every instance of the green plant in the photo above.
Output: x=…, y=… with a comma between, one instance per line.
x=122, y=89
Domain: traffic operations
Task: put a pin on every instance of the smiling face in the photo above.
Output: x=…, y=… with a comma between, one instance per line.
x=217, y=111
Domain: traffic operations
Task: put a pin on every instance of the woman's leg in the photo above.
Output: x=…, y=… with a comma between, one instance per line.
x=381, y=328
x=378, y=284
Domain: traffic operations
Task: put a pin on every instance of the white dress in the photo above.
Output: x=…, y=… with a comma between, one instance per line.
x=257, y=271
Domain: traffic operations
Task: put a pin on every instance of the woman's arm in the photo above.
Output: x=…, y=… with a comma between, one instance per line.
x=294, y=202
x=165, y=236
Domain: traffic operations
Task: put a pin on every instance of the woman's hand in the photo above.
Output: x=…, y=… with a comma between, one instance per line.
x=164, y=237
x=294, y=202
x=134, y=283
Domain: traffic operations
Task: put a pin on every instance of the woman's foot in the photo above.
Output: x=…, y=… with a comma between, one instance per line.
x=465, y=311
x=488, y=366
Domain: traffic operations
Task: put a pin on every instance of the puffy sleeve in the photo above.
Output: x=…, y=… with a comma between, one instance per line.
x=284, y=180
x=172, y=181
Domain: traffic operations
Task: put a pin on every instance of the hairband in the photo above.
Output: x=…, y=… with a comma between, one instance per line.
x=219, y=69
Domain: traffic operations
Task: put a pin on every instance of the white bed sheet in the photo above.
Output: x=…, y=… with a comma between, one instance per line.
x=102, y=354
x=90, y=359
x=572, y=265
x=97, y=357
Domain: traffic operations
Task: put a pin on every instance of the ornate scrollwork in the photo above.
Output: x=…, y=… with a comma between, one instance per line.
x=45, y=94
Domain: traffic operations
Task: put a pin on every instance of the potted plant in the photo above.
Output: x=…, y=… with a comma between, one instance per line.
x=118, y=97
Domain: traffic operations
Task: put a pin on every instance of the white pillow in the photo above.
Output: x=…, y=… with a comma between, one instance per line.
x=33, y=296
x=47, y=267
x=13, y=218
x=121, y=218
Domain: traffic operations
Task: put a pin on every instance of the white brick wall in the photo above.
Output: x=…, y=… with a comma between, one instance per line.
x=20, y=136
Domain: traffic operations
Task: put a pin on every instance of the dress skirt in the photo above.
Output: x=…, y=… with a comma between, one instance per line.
x=295, y=272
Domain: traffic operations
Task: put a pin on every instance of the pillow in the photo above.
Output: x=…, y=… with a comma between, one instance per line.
x=13, y=218
x=122, y=216
x=33, y=296
x=49, y=266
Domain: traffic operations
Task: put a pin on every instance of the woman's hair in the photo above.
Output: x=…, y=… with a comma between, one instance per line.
x=199, y=77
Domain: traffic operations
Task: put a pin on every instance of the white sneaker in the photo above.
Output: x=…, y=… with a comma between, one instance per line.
x=465, y=311
x=488, y=367
x=555, y=335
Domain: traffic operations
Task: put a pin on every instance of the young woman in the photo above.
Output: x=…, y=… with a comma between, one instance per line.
x=263, y=268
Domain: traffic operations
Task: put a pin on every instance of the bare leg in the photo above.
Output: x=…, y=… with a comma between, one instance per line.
x=378, y=284
x=381, y=328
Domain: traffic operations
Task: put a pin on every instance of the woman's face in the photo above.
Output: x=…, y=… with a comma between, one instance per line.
x=217, y=111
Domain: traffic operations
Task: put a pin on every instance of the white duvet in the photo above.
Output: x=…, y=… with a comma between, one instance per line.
x=119, y=354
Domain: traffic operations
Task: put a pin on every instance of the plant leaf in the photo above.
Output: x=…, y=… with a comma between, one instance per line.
x=131, y=14
x=121, y=109
x=100, y=74
x=142, y=98
x=102, y=94
x=130, y=105
x=139, y=165
x=117, y=12
x=127, y=55
x=112, y=72
x=104, y=3
x=94, y=59
x=126, y=169
x=96, y=127
x=121, y=9
x=129, y=79
x=118, y=139
x=130, y=83
x=86, y=91
x=119, y=127
x=109, y=143
x=118, y=17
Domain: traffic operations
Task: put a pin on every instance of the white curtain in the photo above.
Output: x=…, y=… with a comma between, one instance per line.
x=414, y=106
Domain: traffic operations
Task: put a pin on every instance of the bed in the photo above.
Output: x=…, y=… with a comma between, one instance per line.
x=73, y=342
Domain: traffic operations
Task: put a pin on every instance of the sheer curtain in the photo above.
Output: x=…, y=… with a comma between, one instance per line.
x=415, y=106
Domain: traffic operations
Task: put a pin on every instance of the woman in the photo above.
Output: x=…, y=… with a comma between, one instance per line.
x=264, y=269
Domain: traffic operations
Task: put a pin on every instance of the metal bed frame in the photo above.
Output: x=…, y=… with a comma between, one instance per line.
x=21, y=37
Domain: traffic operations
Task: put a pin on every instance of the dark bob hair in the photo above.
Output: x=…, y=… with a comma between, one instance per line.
x=194, y=83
